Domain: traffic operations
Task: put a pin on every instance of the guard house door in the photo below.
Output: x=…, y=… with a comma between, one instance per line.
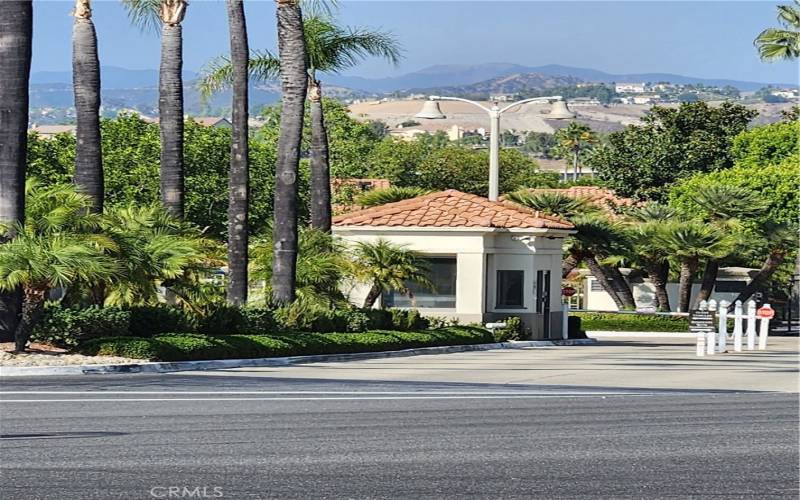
x=543, y=300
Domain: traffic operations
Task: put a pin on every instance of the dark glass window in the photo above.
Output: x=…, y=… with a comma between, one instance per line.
x=510, y=289
x=442, y=273
x=730, y=286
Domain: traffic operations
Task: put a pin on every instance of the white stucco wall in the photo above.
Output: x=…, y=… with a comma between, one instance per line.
x=644, y=295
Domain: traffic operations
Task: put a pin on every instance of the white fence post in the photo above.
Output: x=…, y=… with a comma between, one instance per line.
x=737, y=326
x=701, y=335
x=711, y=344
x=722, y=335
x=763, y=332
x=565, y=321
x=751, y=325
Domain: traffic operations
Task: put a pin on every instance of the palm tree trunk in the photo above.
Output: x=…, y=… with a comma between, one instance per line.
x=294, y=82
x=659, y=273
x=600, y=275
x=86, y=86
x=768, y=268
x=320, y=167
x=170, y=111
x=32, y=310
x=16, y=27
x=239, y=177
x=575, y=165
x=708, y=281
x=688, y=268
x=569, y=263
x=621, y=286
x=372, y=296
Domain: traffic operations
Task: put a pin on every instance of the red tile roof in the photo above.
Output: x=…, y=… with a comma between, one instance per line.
x=451, y=208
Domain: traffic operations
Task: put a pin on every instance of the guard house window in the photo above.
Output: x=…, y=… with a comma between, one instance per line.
x=442, y=273
x=510, y=289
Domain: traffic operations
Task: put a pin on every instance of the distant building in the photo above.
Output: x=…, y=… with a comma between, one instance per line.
x=646, y=99
x=50, y=131
x=630, y=88
x=501, y=97
x=212, y=121
x=785, y=93
x=584, y=101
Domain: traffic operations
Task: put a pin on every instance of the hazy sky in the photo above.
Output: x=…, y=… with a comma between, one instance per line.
x=702, y=39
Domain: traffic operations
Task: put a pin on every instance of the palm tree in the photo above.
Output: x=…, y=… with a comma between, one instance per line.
x=385, y=267
x=294, y=83
x=16, y=25
x=57, y=246
x=86, y=86
x=552, y=203
x=331, y=48
x=572, y=140
x=723, y=205
x=782, y=240
x=388, y=195
x=784, y=42
x=239, y=176
x=320, y=267
x=169, y=15
x=689, y=242
x=647, y=220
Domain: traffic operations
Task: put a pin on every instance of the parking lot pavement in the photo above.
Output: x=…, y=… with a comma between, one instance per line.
x=634, y=363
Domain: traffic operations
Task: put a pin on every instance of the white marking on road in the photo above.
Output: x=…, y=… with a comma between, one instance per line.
x=380, y=393
x=521, y=396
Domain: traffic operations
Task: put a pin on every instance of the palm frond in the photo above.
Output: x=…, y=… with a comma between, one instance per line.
x=144, y=14
x=217, y=74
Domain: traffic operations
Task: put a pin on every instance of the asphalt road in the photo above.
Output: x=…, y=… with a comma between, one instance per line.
x=241, y=437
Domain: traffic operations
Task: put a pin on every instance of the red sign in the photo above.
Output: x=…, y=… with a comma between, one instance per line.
x=765, y=312
x=568, y=291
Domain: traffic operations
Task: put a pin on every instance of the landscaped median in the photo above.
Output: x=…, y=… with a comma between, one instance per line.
x=197, y=347
x=629, y=322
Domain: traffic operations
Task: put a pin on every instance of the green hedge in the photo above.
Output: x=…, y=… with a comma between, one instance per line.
x=191, y=347
x=621, y=322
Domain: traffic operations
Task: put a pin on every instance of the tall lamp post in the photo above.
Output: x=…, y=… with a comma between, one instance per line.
x=559, y=111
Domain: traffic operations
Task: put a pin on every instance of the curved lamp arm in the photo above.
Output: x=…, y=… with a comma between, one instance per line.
x=547, y=98
x=441, y=98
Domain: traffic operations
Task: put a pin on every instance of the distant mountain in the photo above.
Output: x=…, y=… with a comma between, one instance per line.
x=456, y=75
x=508, y=84
x=111, y=77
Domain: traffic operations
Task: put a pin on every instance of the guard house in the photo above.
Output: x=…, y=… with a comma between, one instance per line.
x=489, y=260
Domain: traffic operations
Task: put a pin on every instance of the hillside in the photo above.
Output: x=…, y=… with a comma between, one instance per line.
x=509, y=84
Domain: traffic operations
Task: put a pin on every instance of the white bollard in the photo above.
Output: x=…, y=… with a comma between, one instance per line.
x=751, y=325
x=763, y=333
x=737, y=326
x=565, y=321
x=711, y=335
x=722, y=334
x=701, y=344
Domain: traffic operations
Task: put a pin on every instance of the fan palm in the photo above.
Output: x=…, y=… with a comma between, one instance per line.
x=689, y=242
x=552, y=203
x=168, y=14
x=782, y=241
x=86, y=86
x=239, y=176
x=784, y=42
x=571, y=141
x=646, y=223
x=388, y=195
x=331, y=48
x=723, y=206
x=16, y=25
x=320, y=267
x=57, y=246
x=387, y=267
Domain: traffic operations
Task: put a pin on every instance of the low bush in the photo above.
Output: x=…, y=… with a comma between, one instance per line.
x=66, y=327
x=512, y=331
x=147, y=321
x=622, y=322
x=185, y=347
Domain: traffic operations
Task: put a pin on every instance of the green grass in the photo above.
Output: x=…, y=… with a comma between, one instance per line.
x=193, y=347
x=620, y=322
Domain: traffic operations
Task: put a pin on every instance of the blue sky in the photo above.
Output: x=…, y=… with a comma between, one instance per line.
x=702, y=39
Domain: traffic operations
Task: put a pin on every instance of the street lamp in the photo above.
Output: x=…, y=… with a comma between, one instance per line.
x=558, y=111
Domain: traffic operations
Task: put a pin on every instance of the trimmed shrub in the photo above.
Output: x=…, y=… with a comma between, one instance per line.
x=259, y=320
x=184, y=347
x=223, y=319
x=66, y=327
x=408, y=320
x=632, y=322
x=512, y=331
x=147, y=321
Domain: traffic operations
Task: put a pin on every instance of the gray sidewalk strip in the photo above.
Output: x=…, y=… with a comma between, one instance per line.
x=220, y=364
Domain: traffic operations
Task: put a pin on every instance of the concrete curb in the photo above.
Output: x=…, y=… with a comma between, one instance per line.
x=641, y=335
x=218, y=364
